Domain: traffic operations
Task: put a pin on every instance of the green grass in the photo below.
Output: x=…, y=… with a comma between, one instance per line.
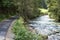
x=43, y=11
x=21, y=33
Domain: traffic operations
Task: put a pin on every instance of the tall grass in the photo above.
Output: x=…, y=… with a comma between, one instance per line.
x=21, y=33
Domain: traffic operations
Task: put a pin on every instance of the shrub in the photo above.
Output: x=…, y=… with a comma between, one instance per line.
x=21, y=33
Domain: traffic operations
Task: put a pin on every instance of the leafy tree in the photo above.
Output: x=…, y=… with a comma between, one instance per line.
x=27, y=8
x=7, y=7
x=54, y=9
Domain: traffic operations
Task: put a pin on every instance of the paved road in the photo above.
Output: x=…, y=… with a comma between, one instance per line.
x=4, y=26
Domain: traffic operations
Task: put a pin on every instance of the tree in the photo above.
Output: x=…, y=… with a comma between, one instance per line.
x=27, y=8
x=7, y=7
x=54, y=9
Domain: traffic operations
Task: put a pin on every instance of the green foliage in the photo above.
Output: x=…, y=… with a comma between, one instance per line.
x=21, y=33
x=6, y=3
x=43, y=11
x=7, y=9
x=54, y=9
x=28, y=9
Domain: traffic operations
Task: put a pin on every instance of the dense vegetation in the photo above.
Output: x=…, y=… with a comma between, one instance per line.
x=54, y=9
x=21, y=33
x=26, y=8
x=29, y=8
x=7, y=9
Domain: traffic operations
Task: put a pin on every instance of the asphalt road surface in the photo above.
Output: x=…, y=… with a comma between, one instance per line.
x=4, y=26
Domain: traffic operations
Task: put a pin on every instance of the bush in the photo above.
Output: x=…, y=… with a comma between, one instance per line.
x=54, y=9
x=21, y=33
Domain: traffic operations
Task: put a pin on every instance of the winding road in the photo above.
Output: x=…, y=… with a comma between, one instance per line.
x=4, y=27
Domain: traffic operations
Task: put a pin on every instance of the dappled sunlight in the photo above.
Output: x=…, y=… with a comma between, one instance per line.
x=44, y=10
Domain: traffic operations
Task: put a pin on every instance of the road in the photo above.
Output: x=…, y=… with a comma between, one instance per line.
x=4, y=26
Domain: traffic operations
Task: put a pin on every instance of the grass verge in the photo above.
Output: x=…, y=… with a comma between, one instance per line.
x=21, y=33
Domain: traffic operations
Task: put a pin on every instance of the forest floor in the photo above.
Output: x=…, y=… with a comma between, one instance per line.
x=5, y=28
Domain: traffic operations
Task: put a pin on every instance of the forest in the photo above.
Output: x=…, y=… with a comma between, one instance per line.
x=29, y=13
